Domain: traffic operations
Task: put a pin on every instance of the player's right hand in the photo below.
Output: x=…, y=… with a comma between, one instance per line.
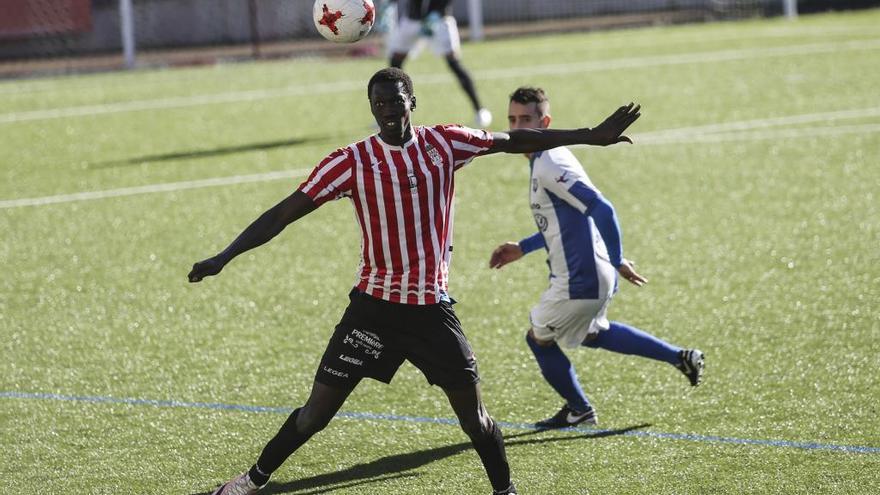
x=206, y=268
x=504, y=254
x=627, y=270
x=610, y=131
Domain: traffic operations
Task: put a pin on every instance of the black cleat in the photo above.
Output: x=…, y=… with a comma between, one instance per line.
x=691, y=362
x=568, y=417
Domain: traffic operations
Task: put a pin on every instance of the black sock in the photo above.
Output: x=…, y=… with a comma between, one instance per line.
x=511, y=490
x=285, y=443
x=491, y=451
x=466, y=83
x=257, y=475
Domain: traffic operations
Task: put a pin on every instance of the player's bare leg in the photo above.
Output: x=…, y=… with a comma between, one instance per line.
x=323, y=403
x=484, y=433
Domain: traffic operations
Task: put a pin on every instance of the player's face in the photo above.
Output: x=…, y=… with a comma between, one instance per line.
x=525, y=116
x=391, y=106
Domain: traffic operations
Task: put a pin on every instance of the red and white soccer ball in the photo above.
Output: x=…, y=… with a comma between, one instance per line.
x=344, y=21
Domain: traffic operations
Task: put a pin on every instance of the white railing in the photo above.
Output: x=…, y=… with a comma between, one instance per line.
x=126, y=28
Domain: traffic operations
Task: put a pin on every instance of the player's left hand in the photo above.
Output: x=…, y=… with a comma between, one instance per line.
x=504, y=254
x=610, y=131
x=627, y=271
x=205, y=268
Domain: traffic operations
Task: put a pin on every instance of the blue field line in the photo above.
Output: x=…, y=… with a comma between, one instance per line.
x=856, y=449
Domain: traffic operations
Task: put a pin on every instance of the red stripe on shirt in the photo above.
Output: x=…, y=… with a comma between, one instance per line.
x=442, y=203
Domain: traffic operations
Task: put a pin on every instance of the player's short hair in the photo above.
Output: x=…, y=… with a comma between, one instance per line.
x=527, y=94
x=392, y=75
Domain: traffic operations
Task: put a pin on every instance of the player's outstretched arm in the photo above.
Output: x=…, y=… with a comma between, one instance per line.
x=264, y=228
x=610, y=131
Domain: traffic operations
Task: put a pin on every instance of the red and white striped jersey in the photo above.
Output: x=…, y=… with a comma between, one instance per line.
x=402, y=196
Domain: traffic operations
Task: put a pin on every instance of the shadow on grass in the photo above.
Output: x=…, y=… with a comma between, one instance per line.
x=398, y=466
x=207, y=153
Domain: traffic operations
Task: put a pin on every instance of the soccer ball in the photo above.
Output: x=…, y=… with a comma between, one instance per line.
x=344, y=21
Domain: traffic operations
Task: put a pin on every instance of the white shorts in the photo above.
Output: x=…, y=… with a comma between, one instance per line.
x=568, y=321
x=404, y=37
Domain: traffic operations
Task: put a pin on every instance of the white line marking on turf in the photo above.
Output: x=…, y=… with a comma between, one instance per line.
x=744, y=125
x=680, y=59
x=760, y=135
x=515, y=72
x=152, y=188
x=709, y=133
x=550, y=47
x=179, y=102
x=631, y=38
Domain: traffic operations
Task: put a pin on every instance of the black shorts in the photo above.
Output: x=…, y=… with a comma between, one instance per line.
x=375, y=336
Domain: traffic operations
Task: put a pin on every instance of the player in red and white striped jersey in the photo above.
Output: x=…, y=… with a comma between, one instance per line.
x=402, y=197
x=401, y=183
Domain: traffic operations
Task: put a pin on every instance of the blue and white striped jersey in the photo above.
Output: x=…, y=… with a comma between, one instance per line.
x=576, y=225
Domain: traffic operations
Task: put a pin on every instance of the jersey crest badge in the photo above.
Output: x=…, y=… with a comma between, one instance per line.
x=541, y=222
x=434, y=155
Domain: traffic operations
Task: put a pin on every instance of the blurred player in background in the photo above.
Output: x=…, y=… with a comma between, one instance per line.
x=578, y=228
x=432, y=19
x=400, y=182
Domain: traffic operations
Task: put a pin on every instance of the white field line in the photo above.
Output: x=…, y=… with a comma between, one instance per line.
x=680, y=59
x=781, y=31
x=542, y=48
x=802, y=132
x=152, y=188
x=745, y=125
x=514, y=72
x=704, y=134
x=180, y=102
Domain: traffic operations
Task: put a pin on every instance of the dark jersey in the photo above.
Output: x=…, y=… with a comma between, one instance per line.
x=418, y=9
